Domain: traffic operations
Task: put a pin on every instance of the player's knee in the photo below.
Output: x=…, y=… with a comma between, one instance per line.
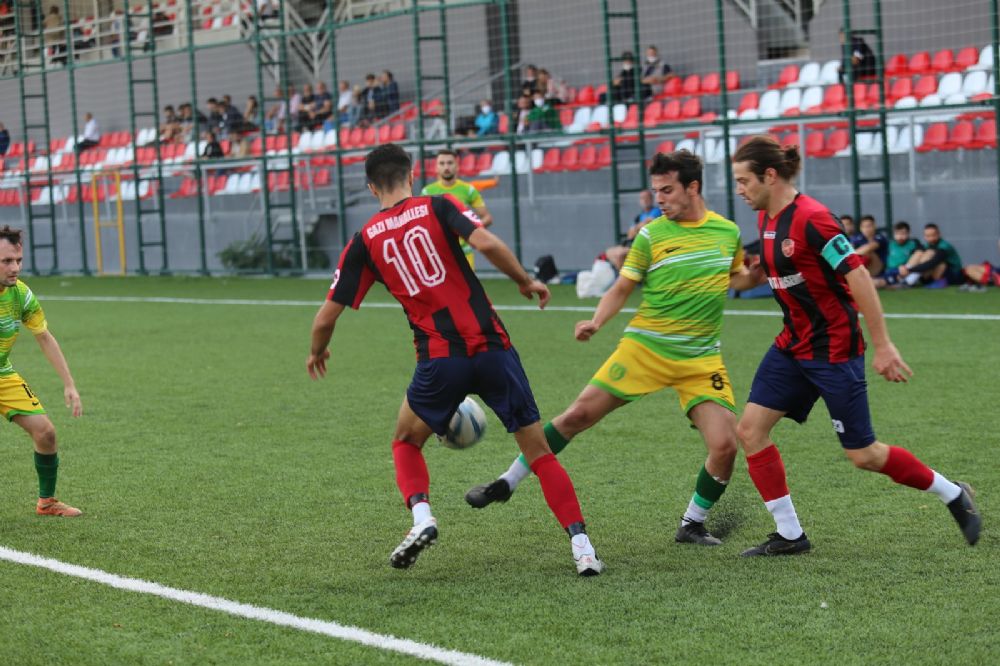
x=45, y=437
x=868, y=458
x=749, y=435
x=576, y=418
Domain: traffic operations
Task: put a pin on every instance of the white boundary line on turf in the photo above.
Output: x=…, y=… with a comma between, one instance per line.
x=271, y=616
x=554, y=308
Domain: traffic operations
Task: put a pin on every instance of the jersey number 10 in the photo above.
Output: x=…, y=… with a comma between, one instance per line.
x=423, y=257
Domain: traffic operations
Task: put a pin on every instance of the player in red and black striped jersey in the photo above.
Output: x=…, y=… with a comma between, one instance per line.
x=411, y=246
x=821, y=285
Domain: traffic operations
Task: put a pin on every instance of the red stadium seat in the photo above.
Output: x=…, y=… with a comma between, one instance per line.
x=838, y=140
x=935, y=138
x=920, y=63
x=986, y=135
x=484, y=162
x=962, y=135
x=926, y=85
x=604, y=156
x=711, y=84
x=691, y=109
x=504, y=125
x=586, y=96
x=943, y=62
x=691, y=85
x=671, y=111
x=588, y=158
x=321, y=178
x=750, y=100
x=570, y=159
x=966, y=58
x=666, y=146
x=897, y=65
x=789, y=74
x=834, y=99
x=550, y=162
x=815, y=144
x=398, y=133
x=467, y=165
x=898, y=89
x=384, y=134
x=732, y=80
x=672, y=88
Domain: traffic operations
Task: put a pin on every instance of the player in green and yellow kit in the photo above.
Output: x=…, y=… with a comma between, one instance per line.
x=449, y=183
x=18, y=306
x=686, y=260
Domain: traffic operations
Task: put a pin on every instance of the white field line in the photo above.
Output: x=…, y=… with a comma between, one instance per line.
x=269, y=615
x=554, y=308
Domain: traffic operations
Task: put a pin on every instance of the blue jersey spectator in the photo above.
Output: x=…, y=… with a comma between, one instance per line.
x=487, y=120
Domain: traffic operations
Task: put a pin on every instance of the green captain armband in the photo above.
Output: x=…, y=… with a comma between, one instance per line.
x=836, y=250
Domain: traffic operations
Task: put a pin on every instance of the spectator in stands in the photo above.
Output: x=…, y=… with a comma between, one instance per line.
x=250, y=112
x=847, y=222
x=389, y=97
x=91, y=133
x=979, y=276
x=307, y=106
x=937, y=266
x=530, y=83
x=901, y=248
x=55, y=33
x=4, y=140
x=487, y=120
x=233, y=122
x=215, y=120
x=543, y=117
x=322, y=106
x=171, y=129
x=872, y=245
x=357, y=105
x=655, y=71
x=647, y=213
x=525, y=103
x=294, y=105
x=370, y=100
x=345, y=102
x=187, y=120
x=274, y=119
x=213, y=149
x=554, y=90
x=623, y=85
x=862, y=58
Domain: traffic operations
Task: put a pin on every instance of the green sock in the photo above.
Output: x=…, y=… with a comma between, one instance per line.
x=707, y=490
x=47, y=466
x=556, y=441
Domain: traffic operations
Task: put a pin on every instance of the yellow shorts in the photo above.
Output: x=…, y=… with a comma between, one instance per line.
x=634, y=371
x=16, y=397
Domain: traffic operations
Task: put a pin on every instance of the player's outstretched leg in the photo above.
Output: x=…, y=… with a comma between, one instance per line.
x=414, y=483
x=906, y=469
x=717, y=425
x=502, y=489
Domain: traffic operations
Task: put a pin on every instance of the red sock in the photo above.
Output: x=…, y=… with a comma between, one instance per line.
x=411, y=470
x=905, y=468
x=558, y=490
x=768, y=473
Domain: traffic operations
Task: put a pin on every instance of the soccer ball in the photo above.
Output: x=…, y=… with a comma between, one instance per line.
x=466, y=427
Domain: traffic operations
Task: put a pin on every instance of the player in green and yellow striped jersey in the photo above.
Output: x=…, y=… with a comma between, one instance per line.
x=686, y=260
x=449, y=183
x=18, y=306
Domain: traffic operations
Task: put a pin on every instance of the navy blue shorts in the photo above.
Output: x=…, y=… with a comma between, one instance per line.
x=786, y=384
x=440, y=384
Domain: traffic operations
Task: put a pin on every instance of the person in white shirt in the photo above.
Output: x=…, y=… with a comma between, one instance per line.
x=91, y=134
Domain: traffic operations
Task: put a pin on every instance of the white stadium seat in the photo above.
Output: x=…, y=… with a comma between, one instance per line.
x=975, y=84
x=808, y=75
x=985, y=58
x=599, y=115
x=767, y=107
x=949, y=84
x=813, y=96
x=829, y=74
x=790, y=99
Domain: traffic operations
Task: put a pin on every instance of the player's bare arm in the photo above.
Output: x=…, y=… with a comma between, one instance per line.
x=746, y=278
x=484, y=214
x=498, y=254
x=888, y=361
x=322, y=331
x=610, y=304
x=50, y=347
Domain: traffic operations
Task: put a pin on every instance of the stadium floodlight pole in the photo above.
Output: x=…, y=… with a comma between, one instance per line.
x=331, y=29
x=616, y=214
x=995, y=22
x=511, y=127
x=720, y=20
x=71, y=77
x=196, y=165
x=852, y=118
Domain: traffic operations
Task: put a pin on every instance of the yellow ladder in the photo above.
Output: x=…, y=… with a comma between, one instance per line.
x=117, y=224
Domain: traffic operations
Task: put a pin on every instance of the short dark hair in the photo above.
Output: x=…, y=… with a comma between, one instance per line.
x=845, y=216
x=931, y=225
x=447, y=151
x=688, y=166
x=867, y=217
x=11, y=235
x=901, y=225
x=763, y=152
x=388, y=166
